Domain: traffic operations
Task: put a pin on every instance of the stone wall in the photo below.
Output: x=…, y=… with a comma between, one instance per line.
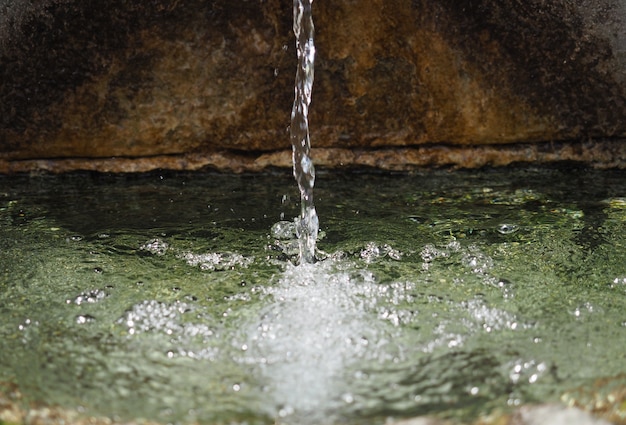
x=123, y=85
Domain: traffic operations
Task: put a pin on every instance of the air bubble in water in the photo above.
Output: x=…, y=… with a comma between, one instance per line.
x=155, y=246
x=529, y=371
x=476, y=260
x=154, y=316
x=508, y=288
x=284, y=230
x=89, y=297
x=618, y=282
x=373, y=252
x=285, y=411
x=583, y=310
x=82, y=319
x=26, y=324
x=216, y=261
x=507, y=228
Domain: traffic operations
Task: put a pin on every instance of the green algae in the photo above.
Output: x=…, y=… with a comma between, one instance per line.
x=169, y=297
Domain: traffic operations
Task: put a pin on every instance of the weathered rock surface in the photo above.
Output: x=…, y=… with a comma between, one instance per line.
x=170, y=80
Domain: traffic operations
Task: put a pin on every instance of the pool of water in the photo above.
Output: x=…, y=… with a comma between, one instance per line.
x=174, y=298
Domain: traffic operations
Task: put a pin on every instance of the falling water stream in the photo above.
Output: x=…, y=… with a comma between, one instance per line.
x=303, y=169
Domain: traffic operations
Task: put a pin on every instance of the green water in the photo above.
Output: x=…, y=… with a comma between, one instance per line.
x=172, y=296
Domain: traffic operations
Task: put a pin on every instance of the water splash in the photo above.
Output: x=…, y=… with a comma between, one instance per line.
x=306, y=341
x=303, y=169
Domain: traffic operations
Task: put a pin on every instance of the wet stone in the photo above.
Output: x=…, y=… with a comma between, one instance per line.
x=429, y=83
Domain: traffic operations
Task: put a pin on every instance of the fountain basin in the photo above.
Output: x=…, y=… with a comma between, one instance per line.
x=466, y=297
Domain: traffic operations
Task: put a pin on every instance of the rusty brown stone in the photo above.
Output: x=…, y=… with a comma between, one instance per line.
x=169, y=80
x=605, y=398
x=13, y=412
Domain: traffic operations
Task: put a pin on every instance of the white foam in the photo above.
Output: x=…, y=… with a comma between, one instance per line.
x=313, y=331
x=216, y=260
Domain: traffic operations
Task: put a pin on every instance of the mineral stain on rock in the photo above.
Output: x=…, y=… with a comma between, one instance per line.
x=132, y=79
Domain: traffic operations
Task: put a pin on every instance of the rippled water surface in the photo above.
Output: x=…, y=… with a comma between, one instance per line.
x=174, y=298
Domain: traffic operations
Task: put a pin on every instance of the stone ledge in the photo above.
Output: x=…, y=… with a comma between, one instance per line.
x=602, y=154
